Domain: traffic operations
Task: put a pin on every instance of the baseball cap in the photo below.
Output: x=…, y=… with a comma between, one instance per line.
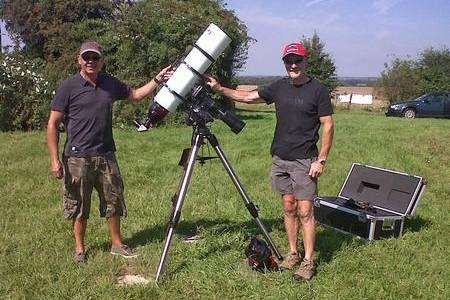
x=295, y=48
x=91, y=46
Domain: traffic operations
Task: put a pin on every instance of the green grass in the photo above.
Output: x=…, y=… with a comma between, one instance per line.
x=36, y=243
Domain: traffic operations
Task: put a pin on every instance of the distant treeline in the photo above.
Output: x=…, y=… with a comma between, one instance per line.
x=357, y=81
x=343, y=81
x=256, y=80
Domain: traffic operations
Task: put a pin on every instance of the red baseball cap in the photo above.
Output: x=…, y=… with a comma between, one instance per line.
x=91, y=46
x=295, y=48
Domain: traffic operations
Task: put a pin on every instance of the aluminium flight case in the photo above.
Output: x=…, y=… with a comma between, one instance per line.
x=391, y=197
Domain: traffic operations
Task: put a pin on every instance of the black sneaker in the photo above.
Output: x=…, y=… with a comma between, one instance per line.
x=124, y=251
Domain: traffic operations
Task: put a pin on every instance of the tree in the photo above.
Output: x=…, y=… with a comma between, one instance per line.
x=138, y=37
x=40, y=24
x=320, y=63
x=434, y=70
x=155, y=33
x=399, y=80
x=404, y=79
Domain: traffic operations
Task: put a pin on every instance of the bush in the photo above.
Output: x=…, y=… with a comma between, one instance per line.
x=25, y=93
x=405, y=79
x=152, y=34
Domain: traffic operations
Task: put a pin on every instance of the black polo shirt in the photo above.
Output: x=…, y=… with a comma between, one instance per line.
x=298, y=109
x=88, y=113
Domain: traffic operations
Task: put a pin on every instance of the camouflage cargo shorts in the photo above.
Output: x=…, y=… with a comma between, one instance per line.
x=81, y=175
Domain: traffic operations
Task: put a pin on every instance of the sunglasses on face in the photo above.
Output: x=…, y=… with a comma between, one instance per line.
x=90, y=57
x=293, y=60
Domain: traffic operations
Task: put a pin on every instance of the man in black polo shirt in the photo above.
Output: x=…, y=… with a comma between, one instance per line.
x=84, y=103
x=302, y=105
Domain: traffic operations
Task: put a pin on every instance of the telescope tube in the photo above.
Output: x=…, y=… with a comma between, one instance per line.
x=206, y=50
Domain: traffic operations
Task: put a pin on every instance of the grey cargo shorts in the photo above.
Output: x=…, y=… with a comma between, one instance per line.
x=81, y=175
x=291, y=177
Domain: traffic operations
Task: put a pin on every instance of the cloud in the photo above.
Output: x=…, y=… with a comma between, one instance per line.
x=262, y=18
x=313, y=2
x=383, y=6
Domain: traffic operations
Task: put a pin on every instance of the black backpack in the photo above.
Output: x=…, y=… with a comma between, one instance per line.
x=259, y=255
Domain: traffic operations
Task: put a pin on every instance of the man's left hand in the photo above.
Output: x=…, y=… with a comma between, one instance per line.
x=165, y=74
x=316, y=169
x=213, y=83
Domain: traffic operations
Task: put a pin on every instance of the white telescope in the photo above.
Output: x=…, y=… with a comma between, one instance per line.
x=189, y=73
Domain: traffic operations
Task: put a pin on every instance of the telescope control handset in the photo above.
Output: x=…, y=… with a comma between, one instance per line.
x=188, y=74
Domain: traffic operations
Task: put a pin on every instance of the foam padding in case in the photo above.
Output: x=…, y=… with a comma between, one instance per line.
x=383, y=188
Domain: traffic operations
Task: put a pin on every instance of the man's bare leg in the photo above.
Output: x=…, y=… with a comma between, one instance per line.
x=79, y=232
x=308, y=223
x=114, y=230
x=291, y=221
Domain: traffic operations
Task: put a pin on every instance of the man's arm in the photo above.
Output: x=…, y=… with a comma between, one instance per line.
x=54, y=120
x=327, y=140
x=327, y=136
x=138, y=94
x=249, y=97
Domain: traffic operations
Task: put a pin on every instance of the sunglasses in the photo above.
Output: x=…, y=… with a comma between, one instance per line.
x=90, y=57
x=293, y=60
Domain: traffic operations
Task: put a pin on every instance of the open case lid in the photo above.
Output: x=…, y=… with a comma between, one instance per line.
x=385, y=189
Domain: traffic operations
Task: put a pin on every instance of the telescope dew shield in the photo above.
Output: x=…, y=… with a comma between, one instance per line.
x=205, y=51
x=235, y=124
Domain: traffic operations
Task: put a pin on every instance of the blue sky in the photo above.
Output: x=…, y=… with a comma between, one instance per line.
x=5, y=38
x=360, y=35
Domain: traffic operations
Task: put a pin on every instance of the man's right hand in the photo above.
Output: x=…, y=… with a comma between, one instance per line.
x=213, y=83
x=56, y=169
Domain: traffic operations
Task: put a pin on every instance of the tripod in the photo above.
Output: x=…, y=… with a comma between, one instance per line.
x=201, y=132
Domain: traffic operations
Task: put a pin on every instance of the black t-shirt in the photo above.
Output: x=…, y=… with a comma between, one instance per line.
x=298, y=109
x=88, y=113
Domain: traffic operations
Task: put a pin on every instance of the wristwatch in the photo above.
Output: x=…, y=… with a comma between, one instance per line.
x=322, y=161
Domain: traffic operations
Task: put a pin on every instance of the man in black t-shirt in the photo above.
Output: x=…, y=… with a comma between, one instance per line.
x=84, y=103
x=302, y=105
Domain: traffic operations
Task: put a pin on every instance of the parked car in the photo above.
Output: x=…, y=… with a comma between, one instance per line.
x=428, y=105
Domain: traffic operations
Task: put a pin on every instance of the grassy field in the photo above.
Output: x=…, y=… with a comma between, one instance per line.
x=36, y=243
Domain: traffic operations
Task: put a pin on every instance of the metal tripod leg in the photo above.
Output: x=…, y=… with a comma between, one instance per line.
x=182, y=190
x=248, y=203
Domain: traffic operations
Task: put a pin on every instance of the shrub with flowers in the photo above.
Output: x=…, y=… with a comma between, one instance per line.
x=25, y=94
